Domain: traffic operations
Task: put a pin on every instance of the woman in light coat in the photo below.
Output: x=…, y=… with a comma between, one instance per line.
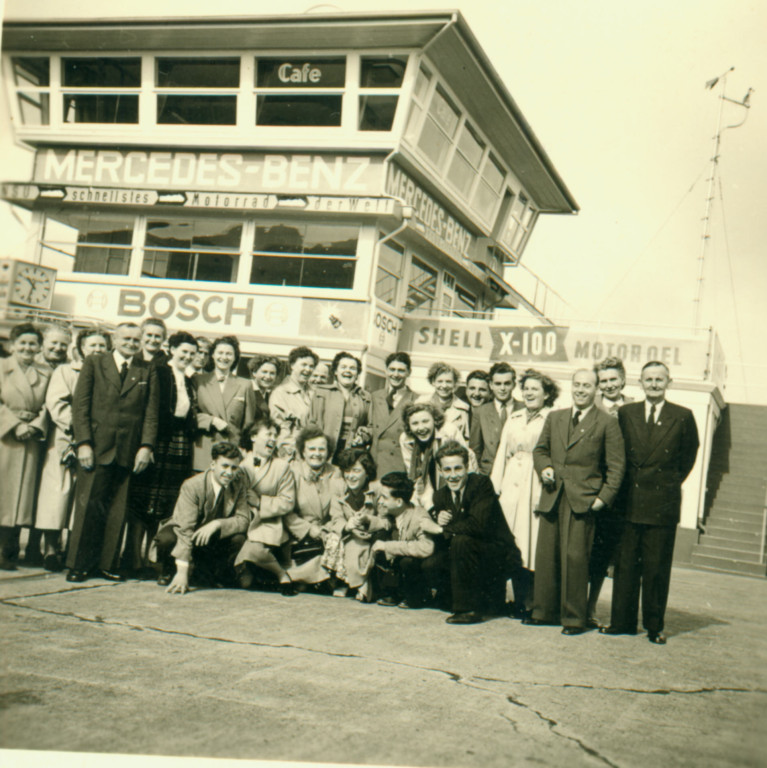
x=457, y=412
x=56, y=495
x=226, y=405
x=516, y=481
x=23, y=429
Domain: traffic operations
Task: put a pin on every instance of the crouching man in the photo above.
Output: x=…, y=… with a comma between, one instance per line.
x=208, y=524
x=397, y=573
x=474, y=548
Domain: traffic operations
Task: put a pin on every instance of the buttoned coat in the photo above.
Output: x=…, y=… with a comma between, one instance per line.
x=588, y=461
x=271, y=495
x=407, y=538
x=486, y=428
x=386, y=427
x=115, y=418
x=658, y=461
x=196, y=506
x=236, y=405
x=22, y=401
x=327, y=410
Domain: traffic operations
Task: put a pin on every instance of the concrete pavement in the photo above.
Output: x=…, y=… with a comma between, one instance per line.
x=125, y=668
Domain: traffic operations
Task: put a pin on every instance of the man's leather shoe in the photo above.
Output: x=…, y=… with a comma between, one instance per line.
x=531, y=622
x=388, y=601
x=465, y=617
x=407, y=605
x=592, y=624
x=111, y=575
x=77, y=576
x=573, y=630
x=615, y=631
x=656, y=637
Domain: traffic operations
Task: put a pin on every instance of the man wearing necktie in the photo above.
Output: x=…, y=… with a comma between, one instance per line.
x=488, y=420
x=115, y=418
x=580, y=459
x=208, y=524
x=661, y=447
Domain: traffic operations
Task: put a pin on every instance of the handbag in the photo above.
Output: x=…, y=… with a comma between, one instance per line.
x=305, y=549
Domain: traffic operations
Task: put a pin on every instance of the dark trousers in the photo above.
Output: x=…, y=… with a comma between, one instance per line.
x=608, y=526
x=101, y=496
x=212, y=565
x=562, y=566
x=644, y=561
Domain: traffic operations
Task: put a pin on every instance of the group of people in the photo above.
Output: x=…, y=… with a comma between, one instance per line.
x=159, y=460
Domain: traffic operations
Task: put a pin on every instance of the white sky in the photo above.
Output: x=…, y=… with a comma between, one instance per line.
x=615, y=93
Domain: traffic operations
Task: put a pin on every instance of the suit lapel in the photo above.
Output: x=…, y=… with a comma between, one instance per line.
x=20, y=381
x=586, y=424
x=214, y=390
x=109, y=368
x=661, y=429
x=134, y=375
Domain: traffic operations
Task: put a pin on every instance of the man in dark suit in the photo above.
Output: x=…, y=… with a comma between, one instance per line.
x=208, y=524
x=488, y=420
x=661, y=446
x=473, y=543
x=580, y=459
x=114, y=416
x=387, y=406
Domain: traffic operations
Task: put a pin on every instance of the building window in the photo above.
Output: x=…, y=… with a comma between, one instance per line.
x=100, y=89
x=190, y=91
x=307, y=255
x=199, y=249
x=377, y=75
x=391, y=257
x=464, y=167
x=490, y=188
x=418, y=105
x=464, y=303
x=32, y=79
x=519, y=223
x=300, y=92
x=422, y=287
x=439, y=128
x=97, y=242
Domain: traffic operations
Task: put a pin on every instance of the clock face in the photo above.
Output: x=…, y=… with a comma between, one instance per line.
x=32, y=285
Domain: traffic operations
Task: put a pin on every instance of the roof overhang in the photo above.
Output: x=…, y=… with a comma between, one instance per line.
x=444, y=36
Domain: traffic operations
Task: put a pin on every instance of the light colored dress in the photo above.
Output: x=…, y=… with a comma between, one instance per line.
x=516, y=481
x=56, y=495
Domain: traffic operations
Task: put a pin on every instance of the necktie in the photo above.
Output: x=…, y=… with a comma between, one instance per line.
x=390, y=400
x=651, y=419
x=576, y=418
x=457, y=499
x=123, y=371
x=504, y=413
x=256, y=461
x=218, y=507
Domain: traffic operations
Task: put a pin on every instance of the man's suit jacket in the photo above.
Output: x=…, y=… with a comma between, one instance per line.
x=236, y=405
x=386, y=427
x=486, y=428
x=116, y=419
x=271, y=495
x=327, y=410
x=407, y=538
x=480, y=515
x=657, y=461
x=196, y=506
x=588, y=460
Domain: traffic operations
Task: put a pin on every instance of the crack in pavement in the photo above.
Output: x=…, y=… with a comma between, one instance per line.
x=552, y=724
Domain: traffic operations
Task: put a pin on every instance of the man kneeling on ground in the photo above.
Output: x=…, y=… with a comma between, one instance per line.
x=396, y=572
x=208, y=524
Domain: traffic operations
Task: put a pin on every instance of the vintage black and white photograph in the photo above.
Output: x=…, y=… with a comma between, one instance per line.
x=383, y=383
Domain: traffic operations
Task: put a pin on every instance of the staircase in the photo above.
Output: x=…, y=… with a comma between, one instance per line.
x=735, y=494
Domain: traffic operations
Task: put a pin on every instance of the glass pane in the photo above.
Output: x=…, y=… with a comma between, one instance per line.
x=527, y=217
x=301, y=73
x=103, y=261
x=34, y=108
x=202, y=234
x=198, y=73
x=412, y=120
x=197, y=110
x=421, y=84
x=390, y=257
x=485, y=200
x=101, y=72
x=320, y=239
x=295, y=109
x=97, y=108
x=386, y=286
x=461, y=174
x=31, y=70
x=297, y=271
x=377, y=112
x=470, y=146
x=382, y=72
x=433, y=143
x=422, y=287
x=443, y=112
x=493, y=175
